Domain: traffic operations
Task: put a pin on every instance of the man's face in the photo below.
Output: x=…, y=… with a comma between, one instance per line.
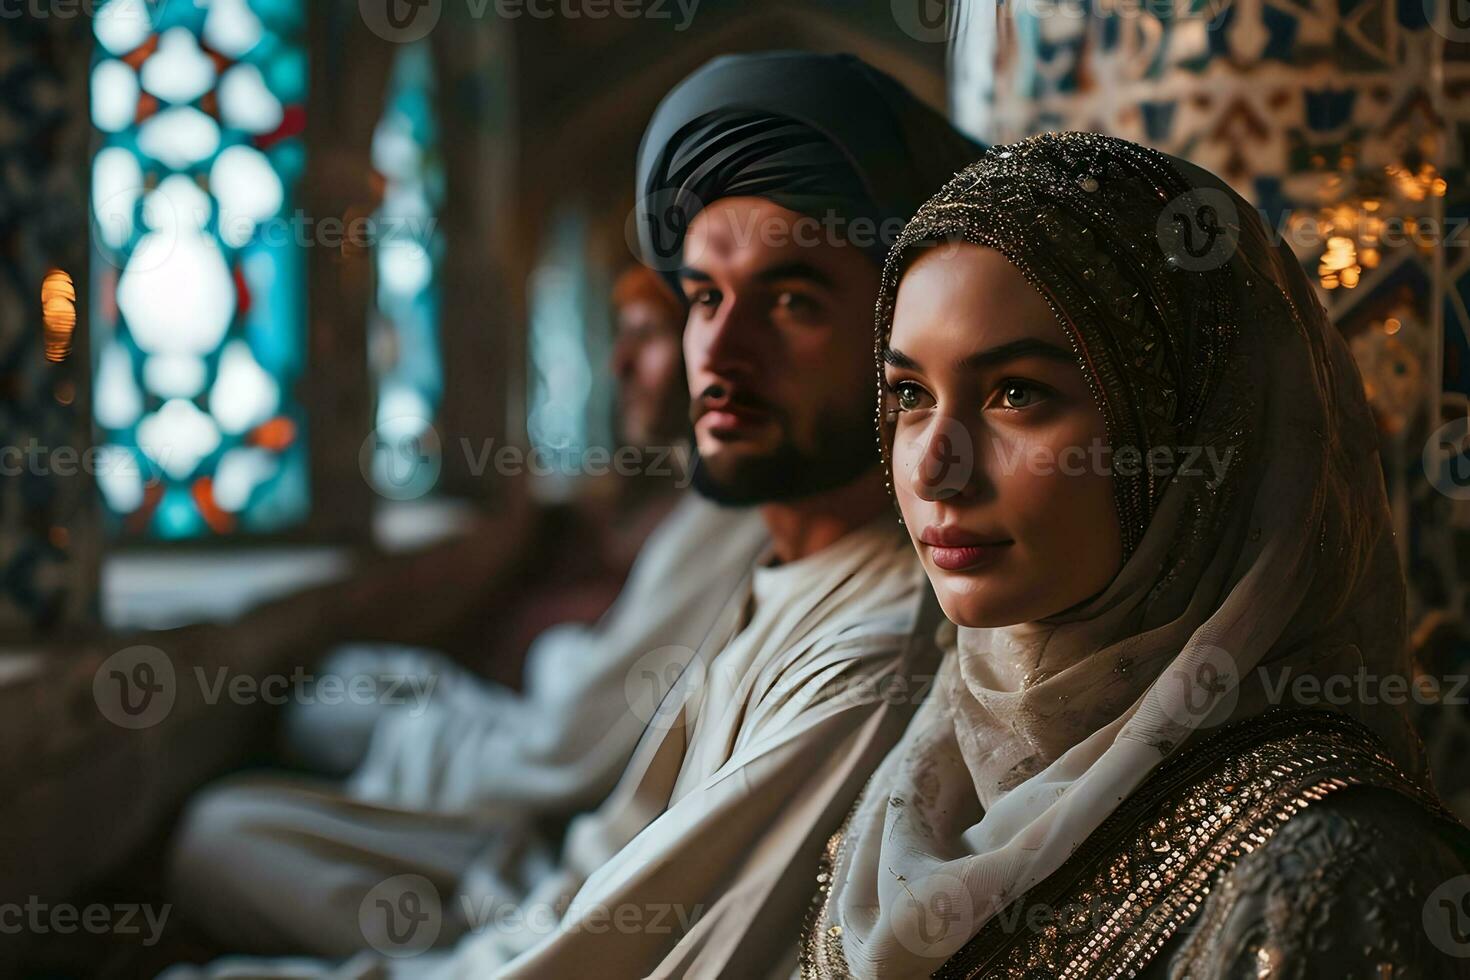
x=647, y=361
x=779, y=352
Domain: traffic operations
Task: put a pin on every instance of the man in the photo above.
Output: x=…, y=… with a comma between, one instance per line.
x=769, y=187
x=648, y=359
x=647, y=362
x=653, y=411
x=274, y=864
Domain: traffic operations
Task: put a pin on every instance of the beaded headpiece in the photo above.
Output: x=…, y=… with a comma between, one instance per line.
x=1131, y=258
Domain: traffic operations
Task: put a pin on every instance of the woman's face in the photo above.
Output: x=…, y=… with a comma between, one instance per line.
x=999, y=449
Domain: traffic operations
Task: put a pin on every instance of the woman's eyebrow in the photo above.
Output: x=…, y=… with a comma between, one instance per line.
x=898, y=358
x=1012, y=351
x=1015, y=350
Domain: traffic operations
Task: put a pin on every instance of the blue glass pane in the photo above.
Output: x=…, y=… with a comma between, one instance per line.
x=274, y=273
x=198, y=296
x=285, y=17
x=403, y=349
x=570, y=407
x=285, y=71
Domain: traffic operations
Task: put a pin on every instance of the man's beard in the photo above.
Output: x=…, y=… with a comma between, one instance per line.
x=843, y=452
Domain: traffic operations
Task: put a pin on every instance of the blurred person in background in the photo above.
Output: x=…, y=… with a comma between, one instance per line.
x=446, y=764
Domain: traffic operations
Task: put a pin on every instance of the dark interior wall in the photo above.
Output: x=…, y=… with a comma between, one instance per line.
x=48, y=516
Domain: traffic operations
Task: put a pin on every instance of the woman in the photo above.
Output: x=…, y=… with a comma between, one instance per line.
x=1138, y=467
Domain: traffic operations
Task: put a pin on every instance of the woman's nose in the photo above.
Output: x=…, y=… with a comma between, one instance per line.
x=944, y=463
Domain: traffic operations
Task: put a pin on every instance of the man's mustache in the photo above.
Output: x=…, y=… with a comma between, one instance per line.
x=725, y=396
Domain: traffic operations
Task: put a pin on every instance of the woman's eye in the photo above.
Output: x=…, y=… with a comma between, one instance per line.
x=705, y=297
x=908, y=395
x=1021, y=394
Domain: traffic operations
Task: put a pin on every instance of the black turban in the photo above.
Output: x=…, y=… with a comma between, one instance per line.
x=827, y=136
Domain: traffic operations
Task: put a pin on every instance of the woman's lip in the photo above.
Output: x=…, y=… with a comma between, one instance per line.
x=965, y=557
x=956, y=537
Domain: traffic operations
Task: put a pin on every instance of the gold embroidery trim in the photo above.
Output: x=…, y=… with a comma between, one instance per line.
x=1151, y=865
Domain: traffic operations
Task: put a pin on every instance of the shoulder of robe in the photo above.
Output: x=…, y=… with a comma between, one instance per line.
x=1365, y=883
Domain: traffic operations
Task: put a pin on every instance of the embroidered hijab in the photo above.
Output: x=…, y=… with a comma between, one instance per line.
x=1195, y=333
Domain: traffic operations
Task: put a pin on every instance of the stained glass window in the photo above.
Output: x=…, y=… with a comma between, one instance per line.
x=570, y=405
x=403, y=347
x=198, y=265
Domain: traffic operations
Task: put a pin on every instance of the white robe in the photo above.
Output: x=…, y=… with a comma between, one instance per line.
x=273, y=863
x=701, y=863
x=561, y=746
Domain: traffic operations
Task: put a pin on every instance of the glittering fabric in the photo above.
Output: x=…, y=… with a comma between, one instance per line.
x=1169, y=870
x=1146, y=873
x=1197, y=334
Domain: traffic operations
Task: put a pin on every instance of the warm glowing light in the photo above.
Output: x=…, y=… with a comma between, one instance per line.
x=1416, y=185
x=1339, y=264
x=1340, y=253
x=1392, y=325
x=58, y=314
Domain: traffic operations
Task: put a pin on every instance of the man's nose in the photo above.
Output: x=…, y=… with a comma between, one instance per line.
x=729, y=340
x=620, y=361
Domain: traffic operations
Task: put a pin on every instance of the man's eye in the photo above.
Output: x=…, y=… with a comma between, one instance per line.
x=796, y=303
x=705, y=297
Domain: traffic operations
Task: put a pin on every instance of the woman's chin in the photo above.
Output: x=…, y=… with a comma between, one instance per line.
x=974, y=608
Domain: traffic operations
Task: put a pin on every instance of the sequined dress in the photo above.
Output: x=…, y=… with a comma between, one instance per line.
x=1287, y=845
